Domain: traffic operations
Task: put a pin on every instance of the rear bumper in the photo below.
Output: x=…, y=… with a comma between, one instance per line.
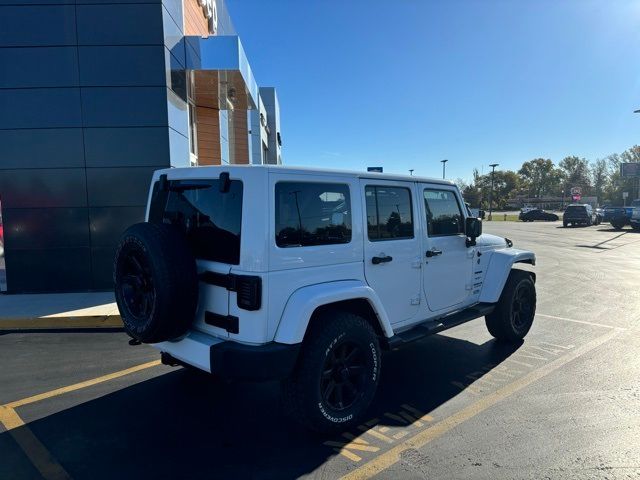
x=231, y=360
x=272, y=361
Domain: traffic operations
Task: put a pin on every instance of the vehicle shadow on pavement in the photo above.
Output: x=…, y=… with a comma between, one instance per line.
x=184, y=424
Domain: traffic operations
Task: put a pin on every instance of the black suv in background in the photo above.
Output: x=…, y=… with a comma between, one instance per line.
x=580, y=215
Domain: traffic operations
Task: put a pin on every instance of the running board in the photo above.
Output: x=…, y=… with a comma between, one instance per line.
x=438, y=325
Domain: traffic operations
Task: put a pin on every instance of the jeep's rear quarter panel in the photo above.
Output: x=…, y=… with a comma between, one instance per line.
x=295, y=267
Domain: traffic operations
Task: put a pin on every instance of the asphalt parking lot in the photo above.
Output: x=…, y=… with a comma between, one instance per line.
x=564, y=404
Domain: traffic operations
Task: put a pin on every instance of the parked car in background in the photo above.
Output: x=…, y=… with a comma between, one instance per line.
x=635, y=218
x=580, y=215
x=537, y=214
x=475, y=212
x=600, y=214
x=618, y=217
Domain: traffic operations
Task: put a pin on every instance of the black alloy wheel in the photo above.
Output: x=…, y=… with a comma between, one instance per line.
x=514, y=313
x=137, y=285
x=336, y=374
x=343, y=376
x=523, y=306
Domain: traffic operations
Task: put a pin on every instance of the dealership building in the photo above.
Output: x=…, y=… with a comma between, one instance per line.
x=94, y=96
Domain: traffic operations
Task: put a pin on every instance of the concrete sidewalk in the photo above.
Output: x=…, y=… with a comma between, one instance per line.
x=60, y=310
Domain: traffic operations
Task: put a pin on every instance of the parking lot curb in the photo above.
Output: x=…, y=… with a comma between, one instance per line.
x=61, y=322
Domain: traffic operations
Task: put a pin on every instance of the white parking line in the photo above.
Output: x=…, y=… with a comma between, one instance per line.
x=577, y=321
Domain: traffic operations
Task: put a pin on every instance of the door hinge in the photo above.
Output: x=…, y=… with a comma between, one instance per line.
x=415, y=300
x=416, y=263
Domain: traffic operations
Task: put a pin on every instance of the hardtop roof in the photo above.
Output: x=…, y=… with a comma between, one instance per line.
x=309, y=171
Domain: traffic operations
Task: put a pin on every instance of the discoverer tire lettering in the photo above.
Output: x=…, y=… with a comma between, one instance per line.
x=337, y=373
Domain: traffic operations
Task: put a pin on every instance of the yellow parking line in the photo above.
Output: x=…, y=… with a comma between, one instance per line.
x=78, y=386
x=33, y=448
x=390, y=457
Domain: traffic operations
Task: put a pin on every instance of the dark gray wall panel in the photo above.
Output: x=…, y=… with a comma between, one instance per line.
x=122, y=66
x=39, y=67
x=179, y=148
x=56, y=270
x=124, y=106
x=108, y=223
x=38, y=188
x=173, y=37
x=47, y=148
x=177, y=111
x=176, y=76
x=113, y=24
x=37, y=2
x=38, y=228
x=40, y=108
x=119, y=187
x=38, y=25
x=98, y=2
x=126, y=147
x=102, y=268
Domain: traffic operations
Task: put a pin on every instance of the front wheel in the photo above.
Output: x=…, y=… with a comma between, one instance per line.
x=337, y=374
x=513, y=316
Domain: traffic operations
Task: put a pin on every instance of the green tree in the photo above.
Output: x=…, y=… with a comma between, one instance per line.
x=575, y=171
x=540, y=177
x=505, y=183
x=599, y=177
x=618, y=184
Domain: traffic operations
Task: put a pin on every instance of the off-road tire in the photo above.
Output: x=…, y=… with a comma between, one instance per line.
x=502, y=323
x=301, y=393
x=167, y=283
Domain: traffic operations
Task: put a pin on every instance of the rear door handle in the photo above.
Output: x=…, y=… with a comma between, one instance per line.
x=378, y=260
x=433, y=253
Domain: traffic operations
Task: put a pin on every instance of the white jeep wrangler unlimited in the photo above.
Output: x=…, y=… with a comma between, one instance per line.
x=305, y=276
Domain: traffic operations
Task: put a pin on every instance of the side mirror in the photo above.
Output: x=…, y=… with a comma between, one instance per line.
x=472, y=229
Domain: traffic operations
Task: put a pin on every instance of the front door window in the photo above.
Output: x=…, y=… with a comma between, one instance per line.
x=448, y=262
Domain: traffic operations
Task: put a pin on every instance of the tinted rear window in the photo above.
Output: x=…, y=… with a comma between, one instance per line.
x=309, y=214
x=210, y=219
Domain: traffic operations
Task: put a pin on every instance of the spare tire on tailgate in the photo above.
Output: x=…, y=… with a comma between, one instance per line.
x=156, y=283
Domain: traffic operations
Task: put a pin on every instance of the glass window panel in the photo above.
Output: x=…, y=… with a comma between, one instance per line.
x=444, y=216
x=309, y=214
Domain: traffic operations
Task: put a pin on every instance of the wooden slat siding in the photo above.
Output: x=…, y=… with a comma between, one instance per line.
x=208, y=125
x=241, y=137
x=195, y=23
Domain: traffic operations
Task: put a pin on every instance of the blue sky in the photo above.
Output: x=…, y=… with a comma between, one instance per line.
x=406, y=83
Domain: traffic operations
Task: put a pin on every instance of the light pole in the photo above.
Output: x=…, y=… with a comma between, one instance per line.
x=444, y=164
x=411, y=172
x=637, y=180
x=493, y=169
